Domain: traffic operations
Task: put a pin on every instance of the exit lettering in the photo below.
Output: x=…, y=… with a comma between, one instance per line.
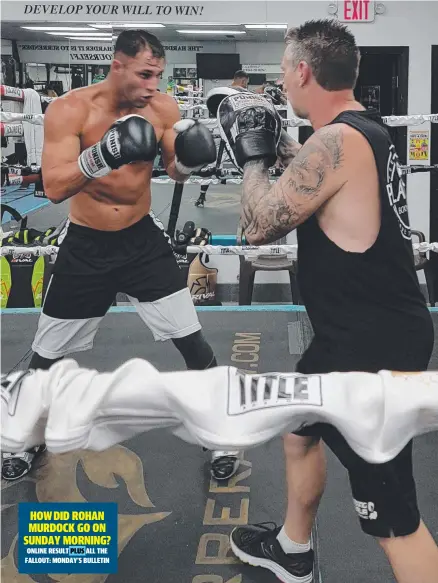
x=357, y=11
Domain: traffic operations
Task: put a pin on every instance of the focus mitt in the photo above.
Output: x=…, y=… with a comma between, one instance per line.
x=218, y=94
x=250, y=128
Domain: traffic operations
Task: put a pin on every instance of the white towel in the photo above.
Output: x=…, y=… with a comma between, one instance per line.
x=33, y=134
x=221, y=408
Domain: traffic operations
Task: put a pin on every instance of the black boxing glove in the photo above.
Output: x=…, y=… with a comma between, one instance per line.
x=190, y=236
x=250, y=128
x=194, y=146
x=275, y=94
x=201, y=237
x=129, y=139
x=182, y=237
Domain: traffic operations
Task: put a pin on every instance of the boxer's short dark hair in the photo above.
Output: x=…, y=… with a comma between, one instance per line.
x=131, y=42
x=329, y=48
x=241, y=75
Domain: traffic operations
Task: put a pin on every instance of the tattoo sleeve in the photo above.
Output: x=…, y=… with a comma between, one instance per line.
x=287, y=148
x=268, y=213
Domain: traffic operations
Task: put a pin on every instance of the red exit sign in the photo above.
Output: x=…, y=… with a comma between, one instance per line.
x=356, y=11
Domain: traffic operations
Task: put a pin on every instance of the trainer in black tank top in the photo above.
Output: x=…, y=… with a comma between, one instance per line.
x=367, y=310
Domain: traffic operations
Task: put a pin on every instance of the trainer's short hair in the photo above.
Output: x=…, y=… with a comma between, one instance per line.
x=330, y=50
x=131, y=42
x=240, y=75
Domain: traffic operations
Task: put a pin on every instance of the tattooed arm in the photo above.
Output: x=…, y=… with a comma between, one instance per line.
x=315, y=174
x=287, y=148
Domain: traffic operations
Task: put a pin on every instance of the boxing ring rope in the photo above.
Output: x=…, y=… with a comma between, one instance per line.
x=11, y=175
x=33, y=118
x=17, y=94
x=233, y=177
x=249, y=250
x=187, y=97
x=11, y=125
x=392, y=120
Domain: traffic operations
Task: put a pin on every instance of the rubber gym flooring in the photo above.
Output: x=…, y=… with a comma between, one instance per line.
x=220, y=214
x=174, y=520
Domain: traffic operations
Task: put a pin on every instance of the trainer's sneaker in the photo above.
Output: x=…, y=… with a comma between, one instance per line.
x=17, y=465
x=224, y=464
x=258, y=546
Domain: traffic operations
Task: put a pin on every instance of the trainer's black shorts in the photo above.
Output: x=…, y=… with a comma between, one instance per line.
x=92, y=266
x=384, y=495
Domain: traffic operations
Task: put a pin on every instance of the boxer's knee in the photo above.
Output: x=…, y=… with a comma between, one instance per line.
x=413, y=557
x=298, y=447
x=196, y=351
x=39, y=362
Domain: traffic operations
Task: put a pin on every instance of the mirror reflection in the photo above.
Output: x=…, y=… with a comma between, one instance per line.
x=197, y=63
x=199, y=59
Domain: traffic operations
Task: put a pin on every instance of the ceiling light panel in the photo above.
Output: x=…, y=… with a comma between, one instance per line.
x=89, y=38
x=82, y=34
x=199, y=31
x=59, y=28
x=129, y=25
x=266, y=26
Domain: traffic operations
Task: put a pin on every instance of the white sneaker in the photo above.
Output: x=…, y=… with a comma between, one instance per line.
x=224, y=464
x=17, y=465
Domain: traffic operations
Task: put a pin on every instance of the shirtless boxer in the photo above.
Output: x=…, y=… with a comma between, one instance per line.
x=344, y=192
x=99, y=147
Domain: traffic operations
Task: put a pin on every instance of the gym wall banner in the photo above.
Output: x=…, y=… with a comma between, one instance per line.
x=63, y=52
x=255, y=68
x=19, y=10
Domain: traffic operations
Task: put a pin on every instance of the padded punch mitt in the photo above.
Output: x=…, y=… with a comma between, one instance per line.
x=218, y=94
